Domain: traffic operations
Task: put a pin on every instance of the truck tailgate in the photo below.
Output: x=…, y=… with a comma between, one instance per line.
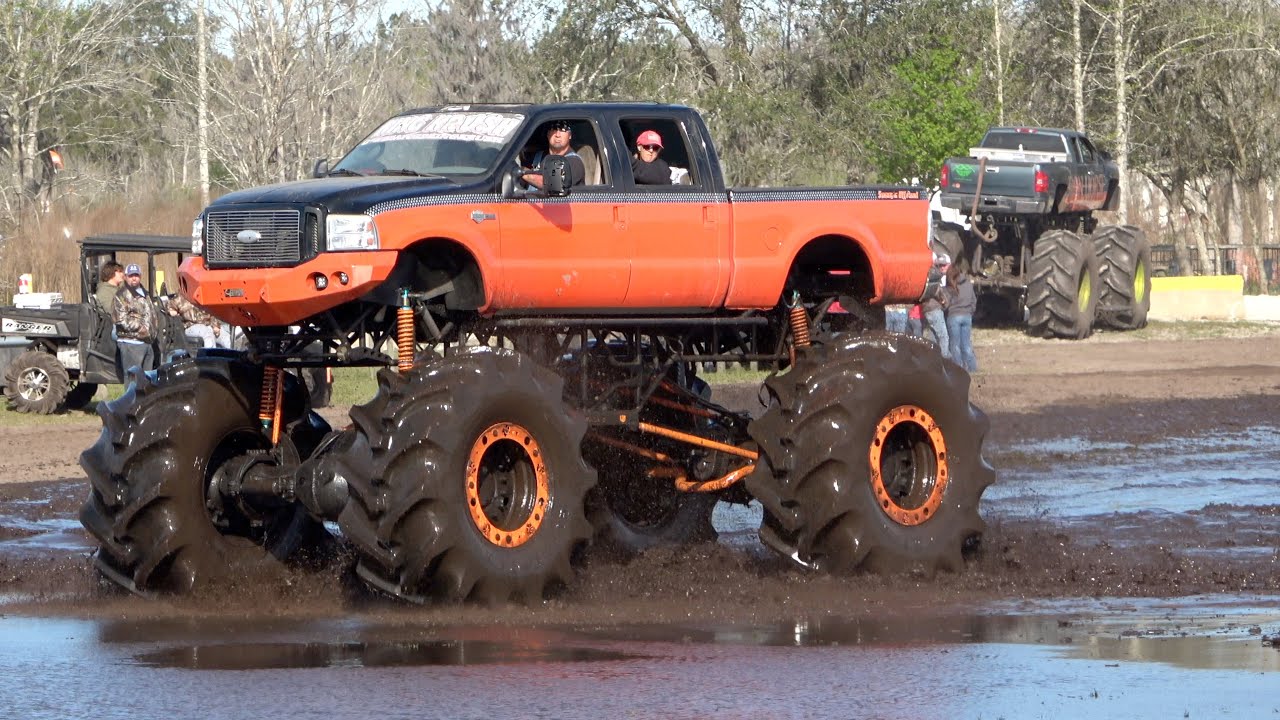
x=999, y=177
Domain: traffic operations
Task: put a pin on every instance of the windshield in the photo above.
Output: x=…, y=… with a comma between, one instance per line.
x=452, y=143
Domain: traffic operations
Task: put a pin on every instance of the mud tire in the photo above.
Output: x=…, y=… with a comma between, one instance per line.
x=35, y=382
x=161, y=443
x=632, y=513
x=80, y=395
x=814, y=476
x=1062, y=293
x=1124, y=293
x=408, y=515
x=947, y=239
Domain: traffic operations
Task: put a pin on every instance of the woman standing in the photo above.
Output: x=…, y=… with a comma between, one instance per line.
x=962, y=301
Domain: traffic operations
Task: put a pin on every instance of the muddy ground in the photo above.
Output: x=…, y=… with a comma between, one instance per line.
x=1114, y=391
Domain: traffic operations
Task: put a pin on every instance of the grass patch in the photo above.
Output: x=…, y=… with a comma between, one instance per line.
x=354, y=385
x=734, y=375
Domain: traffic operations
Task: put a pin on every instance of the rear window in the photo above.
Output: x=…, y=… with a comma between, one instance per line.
x=1026, y=142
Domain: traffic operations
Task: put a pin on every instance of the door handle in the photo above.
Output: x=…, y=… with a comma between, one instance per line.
x=620, y=217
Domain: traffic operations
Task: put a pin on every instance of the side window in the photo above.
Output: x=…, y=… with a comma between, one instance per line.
x=658, y=153
x=582, y=140
x=1087, y=155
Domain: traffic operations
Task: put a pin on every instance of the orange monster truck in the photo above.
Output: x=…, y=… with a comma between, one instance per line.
x=540, y=350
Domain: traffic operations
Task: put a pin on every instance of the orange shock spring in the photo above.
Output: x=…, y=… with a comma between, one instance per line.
x=268, y=401
x=404, y=339
x=799, y=326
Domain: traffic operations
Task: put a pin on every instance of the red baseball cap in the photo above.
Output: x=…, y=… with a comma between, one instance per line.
x=649, y=137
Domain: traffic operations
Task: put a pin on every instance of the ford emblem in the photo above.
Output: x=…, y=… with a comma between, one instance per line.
x=249, y=236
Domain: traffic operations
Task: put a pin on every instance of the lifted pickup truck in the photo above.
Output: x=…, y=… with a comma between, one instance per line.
x=542, y=393
x=1029, y=195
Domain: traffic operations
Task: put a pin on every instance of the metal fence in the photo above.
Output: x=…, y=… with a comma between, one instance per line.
x=1222, y=260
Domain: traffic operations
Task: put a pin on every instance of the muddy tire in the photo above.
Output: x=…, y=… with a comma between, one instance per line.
x=162, y=443
x=35, y=382
x=467, y=481
x=947, y=239
x=80, y=395
x=632, y=513
x=1124, y=290
x=1062, y=286
x=870, y=459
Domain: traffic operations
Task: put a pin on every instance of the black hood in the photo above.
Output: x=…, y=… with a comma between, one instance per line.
x=348, y=194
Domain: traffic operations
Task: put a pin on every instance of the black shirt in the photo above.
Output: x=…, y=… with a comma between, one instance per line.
x=657, y=172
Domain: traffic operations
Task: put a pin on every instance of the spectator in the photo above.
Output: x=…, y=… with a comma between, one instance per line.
x=962, y=302
x=110, y=278
x=936, y=322
x=895, y=318
x=198, y=323
x=915, y=321
x=646, y=167
x=135, y=320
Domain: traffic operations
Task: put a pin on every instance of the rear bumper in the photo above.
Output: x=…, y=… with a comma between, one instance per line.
x=997, y=204
x=283, y=296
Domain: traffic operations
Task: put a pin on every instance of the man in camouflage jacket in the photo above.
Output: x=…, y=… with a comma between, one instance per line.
x=135, y=319
x=199, y=323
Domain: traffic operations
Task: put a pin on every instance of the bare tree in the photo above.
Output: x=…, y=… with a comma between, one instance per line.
x=51, y=50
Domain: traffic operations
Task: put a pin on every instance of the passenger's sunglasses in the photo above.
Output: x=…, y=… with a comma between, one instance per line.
x=651, y=148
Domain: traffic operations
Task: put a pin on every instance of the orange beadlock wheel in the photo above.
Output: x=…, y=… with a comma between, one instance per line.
x=908, y=457
x=507, y=488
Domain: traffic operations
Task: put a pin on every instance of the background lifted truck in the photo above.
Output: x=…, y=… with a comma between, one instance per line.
x=59, y=355
x=542, y=394
x=1034, y=244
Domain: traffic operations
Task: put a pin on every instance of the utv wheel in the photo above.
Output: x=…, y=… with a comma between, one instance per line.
x=467, y=481
x=35, y=382
x=870, y=458
x=80, y=396
x=150, y=506
x=1062, y=290
x=1124, y=293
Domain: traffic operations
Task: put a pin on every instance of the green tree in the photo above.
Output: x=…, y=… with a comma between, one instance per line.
x=930, y=112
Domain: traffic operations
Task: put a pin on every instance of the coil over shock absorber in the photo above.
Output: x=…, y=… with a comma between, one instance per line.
x=269, y=401
x=799, y=320
x=404, y=333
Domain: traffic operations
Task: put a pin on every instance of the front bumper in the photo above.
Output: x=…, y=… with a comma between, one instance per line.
x=997, y=205
x=283, y=295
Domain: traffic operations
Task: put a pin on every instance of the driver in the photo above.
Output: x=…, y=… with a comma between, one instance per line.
x=558, y=137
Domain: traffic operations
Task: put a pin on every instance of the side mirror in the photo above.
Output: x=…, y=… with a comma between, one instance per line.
x=509, y=182
x=555, y=176
x=321, y=169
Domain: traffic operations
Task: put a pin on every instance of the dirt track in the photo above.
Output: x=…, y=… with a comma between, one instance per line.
x=1111, y=388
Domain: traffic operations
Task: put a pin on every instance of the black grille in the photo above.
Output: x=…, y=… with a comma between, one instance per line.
x=253, y=238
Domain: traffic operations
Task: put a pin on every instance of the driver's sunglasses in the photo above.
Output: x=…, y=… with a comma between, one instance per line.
x=651, y=148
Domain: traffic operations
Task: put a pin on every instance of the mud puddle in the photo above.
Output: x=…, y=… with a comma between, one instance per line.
x=1106, y=658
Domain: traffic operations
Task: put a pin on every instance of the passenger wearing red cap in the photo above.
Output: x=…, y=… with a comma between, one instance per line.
x=646, y=167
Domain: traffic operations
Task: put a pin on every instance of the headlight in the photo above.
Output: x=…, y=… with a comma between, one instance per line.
x=197, y=236
x=351, y=232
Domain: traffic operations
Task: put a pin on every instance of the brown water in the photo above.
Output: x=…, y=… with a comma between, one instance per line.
x=1032, y=630
x=1201, y=659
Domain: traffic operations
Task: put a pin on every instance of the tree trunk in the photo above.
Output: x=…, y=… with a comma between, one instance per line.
x=999, y=23
x=1121, y=69
x=202, y=103
x=1077, y=67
